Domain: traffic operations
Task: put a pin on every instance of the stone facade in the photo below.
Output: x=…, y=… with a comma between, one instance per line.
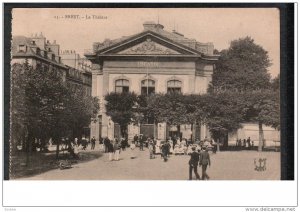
x=168, y=60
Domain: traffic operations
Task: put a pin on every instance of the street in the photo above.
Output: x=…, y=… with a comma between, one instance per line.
x=236, y=165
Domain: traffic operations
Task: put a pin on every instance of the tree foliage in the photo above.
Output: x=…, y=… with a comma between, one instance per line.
x=223, y=111
x=121, y=108
x=45, y=107
x=263, y=107
x=242, y=67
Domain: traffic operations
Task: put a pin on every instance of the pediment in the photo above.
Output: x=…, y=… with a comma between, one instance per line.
x=149, y=47
x=146, y=43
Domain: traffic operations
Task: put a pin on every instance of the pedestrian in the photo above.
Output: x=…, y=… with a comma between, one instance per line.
x=193, y=164
x=106, y=143
x=204, y=161
x=173, y=141
x=101, y=144
x=240, y=144
x=110, y=150
x=123, y=144
x=164, y=150
x=117, y=150
x=151, y=149
x=76, y=141
x=141, y=143
x=135, y=139
x=132, y=147
x=249, y=142
x=84, y=143
x=93, y=142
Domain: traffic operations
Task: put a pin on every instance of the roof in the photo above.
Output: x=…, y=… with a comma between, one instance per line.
x=31, y=50
x=205, y=48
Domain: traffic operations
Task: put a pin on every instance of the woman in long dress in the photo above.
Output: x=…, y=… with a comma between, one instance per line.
x=132, y=147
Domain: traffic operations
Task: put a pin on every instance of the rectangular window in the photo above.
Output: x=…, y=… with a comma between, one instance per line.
x=119, y=89
x=174, y=90
x=22, y=48
x=149, y=91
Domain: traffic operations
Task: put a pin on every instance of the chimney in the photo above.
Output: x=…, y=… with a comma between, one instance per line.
x=159, y=27
x=149, y=25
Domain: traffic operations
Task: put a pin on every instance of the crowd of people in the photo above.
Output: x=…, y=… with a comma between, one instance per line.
x=244, y=144
x=197, y=150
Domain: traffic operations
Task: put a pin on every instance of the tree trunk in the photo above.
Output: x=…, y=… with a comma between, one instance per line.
x=218, y=144
x=154, y=130
x=57, y=148
x=260, y=137
x=193, y=128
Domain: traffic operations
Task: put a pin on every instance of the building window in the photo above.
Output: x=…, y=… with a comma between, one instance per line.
x=46, y=67
x=38, y=51
x=53, y=57
x=22, y=48
x=148, y=87
x=174, y=86
x=38, y=65
x=122, y=86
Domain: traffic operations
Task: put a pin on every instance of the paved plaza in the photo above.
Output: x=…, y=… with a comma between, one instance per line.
x=236, y=165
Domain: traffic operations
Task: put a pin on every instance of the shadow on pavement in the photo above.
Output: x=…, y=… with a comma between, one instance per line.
x=37, y=163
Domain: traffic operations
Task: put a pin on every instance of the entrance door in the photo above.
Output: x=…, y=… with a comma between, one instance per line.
x=147, y=130
x=174, y=131
x=117, y=131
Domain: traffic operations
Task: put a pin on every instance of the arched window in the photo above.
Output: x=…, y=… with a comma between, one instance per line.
x=174, y=86
x=122, y=86
x=148, y=87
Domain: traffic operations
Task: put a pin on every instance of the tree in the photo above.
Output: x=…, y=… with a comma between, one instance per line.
x=18, y=82
x=223, y=113
x=43, y=107
x=242, y=67
x=169, y=108
x=80, y=108
x=45, y=97
x=120, y=107
x=275, y=83
x=263, y=107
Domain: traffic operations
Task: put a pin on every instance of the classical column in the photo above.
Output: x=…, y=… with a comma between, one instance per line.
x=107, y=123
x=203, y=131
x=96, y=71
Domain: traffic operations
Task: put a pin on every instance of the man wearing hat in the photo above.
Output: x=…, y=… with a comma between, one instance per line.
x=204, y=161
x=193, y=163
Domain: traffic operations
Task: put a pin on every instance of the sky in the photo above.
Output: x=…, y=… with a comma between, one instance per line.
x=217, y=25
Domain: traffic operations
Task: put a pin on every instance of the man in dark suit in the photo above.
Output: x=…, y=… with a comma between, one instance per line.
x=106, y=143
x=193, y=164
x=204, y=161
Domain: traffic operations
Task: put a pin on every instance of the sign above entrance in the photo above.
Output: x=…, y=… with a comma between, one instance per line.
x=147, y=64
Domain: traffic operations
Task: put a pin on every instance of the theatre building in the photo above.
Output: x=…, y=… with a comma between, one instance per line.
x=152, y=61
